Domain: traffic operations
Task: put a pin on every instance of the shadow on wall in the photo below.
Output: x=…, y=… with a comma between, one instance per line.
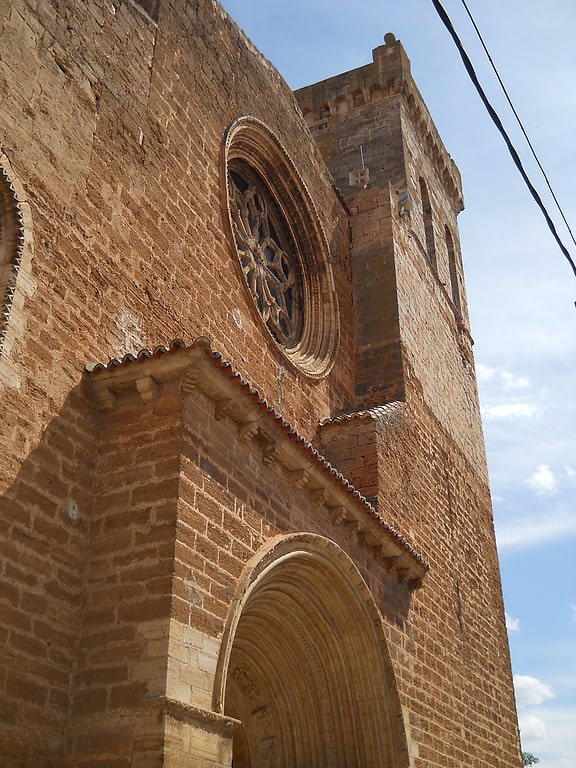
x=45, y=518
x=88, y=553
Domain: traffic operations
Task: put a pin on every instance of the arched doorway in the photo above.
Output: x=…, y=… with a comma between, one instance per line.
x=304, y=664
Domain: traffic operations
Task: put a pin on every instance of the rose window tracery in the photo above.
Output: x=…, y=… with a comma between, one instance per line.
x=268, y=261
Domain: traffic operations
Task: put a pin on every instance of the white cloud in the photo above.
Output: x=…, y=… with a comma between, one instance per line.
x=543, y=481
x=570, y=474
x=532, y=727
x=510, y=381
x=501, y=376
x=573, y=609
x=484, y=373
x=512, y=625
x=509, y=411
x=554, y=743
x=534, y=531
x=530, y=690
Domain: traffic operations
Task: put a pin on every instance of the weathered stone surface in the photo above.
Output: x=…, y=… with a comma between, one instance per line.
x=205, y=553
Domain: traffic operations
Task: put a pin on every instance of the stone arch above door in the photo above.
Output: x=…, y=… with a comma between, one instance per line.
x=304, y=664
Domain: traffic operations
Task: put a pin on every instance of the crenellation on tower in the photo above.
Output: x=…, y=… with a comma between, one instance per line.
x=388, y=75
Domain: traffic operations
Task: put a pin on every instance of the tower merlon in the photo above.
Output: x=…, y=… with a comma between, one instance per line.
x=387, y=77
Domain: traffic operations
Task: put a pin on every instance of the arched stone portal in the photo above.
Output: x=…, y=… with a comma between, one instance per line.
x=304, y=664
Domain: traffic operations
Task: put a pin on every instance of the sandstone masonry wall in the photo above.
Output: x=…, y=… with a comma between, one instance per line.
x=114, y=126
x=137, y=497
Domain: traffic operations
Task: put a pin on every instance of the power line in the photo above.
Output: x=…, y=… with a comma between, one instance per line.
x=498, y=123
x=518, y=120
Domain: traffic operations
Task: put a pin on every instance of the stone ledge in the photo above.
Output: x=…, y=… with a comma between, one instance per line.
x=194, y=715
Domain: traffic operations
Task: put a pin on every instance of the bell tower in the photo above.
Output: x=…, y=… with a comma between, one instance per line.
x=403, y=192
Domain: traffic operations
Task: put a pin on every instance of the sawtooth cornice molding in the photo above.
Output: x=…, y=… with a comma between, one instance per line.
x=196, y=366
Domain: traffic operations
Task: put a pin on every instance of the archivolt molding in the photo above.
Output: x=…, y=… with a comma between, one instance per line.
x=304, y=622
x=279, y=244
x=275, y=552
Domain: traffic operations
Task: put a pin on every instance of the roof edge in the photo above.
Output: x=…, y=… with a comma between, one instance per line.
x=198, y=366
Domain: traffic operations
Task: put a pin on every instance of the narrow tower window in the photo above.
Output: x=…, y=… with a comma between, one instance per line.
x=358, y=98
x=453, y=266
x=428, y=226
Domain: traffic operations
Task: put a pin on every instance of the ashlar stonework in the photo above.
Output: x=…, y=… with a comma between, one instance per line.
x=244, y=509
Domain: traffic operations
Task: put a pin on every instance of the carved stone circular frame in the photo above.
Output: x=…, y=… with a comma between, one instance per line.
x=11, y=245
x=309, y=338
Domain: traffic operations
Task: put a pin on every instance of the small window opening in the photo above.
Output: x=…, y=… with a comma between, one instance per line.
x=453, y=266
x=428, y=225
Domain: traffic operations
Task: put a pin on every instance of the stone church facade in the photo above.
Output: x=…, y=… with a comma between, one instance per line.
x=244, y=509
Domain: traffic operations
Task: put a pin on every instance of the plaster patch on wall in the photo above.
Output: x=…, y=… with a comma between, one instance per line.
x=131, y=332
x=237, y=317
x=73, y=511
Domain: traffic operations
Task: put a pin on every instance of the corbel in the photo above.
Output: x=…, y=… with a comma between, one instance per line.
x=389, y=563
x=271, y=451
x=319, y=497
x=390, y=550
x=338, y=514
x=355, y=527
x=147, y=388
x=372, y=540
x=222, y=407
x=300, y=477
x=106, y=398
x=190, y=379
x=401, y=571
x=249, y=430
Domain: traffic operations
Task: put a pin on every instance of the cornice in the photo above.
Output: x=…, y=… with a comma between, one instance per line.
x=196, y=367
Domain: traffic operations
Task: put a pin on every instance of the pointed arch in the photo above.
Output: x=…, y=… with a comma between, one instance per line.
x=304, y=663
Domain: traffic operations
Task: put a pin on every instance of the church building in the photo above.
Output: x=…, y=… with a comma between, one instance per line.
x=245, y=516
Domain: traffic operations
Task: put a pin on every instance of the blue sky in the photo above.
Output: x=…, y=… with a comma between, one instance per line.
x=521, y=289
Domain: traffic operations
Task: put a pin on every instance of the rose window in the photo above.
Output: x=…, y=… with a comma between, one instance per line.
x=268, y=259
x=280, y=247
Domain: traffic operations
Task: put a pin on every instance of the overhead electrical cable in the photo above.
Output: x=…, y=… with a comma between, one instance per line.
x=498, y=123
x=518, y=120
